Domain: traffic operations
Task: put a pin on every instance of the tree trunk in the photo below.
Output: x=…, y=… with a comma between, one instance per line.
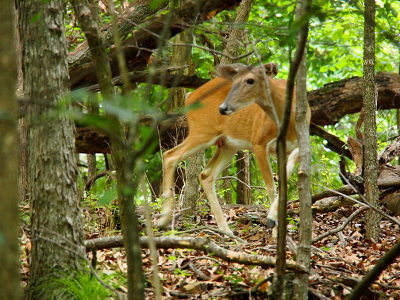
x=226, y=187
x=193, y=169
x=57, y=234
x=231, y=50
x=123, y=158
x=9, y=221
x=243, y=191
x=182, y=56
x=237, y=33
x=186, y=16
x=369, y=103
x=278, y=282
x=91, y=157
x=303, y=134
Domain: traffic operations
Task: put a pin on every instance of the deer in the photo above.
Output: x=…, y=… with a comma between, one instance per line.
x=239, y=110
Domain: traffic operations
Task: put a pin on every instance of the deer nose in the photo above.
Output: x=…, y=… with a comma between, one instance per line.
x=223, y=109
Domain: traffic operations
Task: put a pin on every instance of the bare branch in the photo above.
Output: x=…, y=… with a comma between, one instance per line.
x=394, y=220
x=340, y=228
x=198, y=243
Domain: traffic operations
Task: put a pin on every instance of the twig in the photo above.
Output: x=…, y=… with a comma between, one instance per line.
x=334, y=268
x=351, y=264
x=215, y=230
x=242, y=182
x=394, y=220
x=340, y=228
x=152, y=246
x=317, y=294
x=198, y=272
x=93, y=179
x=207, y=257
x=372, y=275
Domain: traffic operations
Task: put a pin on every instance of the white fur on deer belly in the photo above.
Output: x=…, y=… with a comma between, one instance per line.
x=238, y=144
x=290, y=146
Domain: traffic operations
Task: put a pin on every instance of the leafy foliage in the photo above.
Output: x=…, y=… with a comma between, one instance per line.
x=80, y=286
x=335, y=52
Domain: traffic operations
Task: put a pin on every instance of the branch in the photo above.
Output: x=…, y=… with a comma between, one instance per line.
x=198, y=243
x=349, y=190
x=372, y=275
x=334, y=143
x=127, y=21
x=93, y=179
x=162, y=76
x=390, y=152
x=340, y=228
x=136, y=56
x=335, y=100
x=365, y=203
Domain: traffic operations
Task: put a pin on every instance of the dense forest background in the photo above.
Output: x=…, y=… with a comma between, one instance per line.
x=98, y=91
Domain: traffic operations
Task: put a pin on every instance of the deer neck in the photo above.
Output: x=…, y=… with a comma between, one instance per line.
x=272, y=105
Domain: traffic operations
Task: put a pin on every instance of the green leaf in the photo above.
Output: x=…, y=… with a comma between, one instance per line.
x=37, y=17
x=156, y=3
x=107, y=197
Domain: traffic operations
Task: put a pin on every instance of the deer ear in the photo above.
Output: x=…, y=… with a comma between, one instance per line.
x=228, y=71
x=271, y=69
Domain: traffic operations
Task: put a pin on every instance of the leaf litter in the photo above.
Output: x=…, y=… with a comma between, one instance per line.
x=338, y=261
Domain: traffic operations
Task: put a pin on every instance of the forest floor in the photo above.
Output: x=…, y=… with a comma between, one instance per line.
x=338, y=260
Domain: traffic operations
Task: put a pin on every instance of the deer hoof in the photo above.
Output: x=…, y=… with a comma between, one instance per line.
x=163, y=222
x=270, y=223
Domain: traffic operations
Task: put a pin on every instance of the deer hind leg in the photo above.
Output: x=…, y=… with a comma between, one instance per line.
x=272, y=219
x=208, y=176
x=171, y=159
x=263, y=153
x=263, y=157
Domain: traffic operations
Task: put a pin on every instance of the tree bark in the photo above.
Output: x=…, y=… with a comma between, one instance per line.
x=9, y=221
x=236, y=35
x=56, y=229
x=303, y=134
x=137, y=48
x=335, y=100
x=232, y=49
x=243, y=192
x=127, y=22
x=193, y=169
x=91, y=157
x=225, y=185
x=181, y=55
x=124, y=162
x=369, y=103
x=278, y=283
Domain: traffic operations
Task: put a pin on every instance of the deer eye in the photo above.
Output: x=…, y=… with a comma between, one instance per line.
x=250, y=81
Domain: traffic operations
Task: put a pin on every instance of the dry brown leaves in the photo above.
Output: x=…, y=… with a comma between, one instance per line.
x=338, y=261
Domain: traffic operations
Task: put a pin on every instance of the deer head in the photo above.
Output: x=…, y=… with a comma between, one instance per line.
x=248, y=85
